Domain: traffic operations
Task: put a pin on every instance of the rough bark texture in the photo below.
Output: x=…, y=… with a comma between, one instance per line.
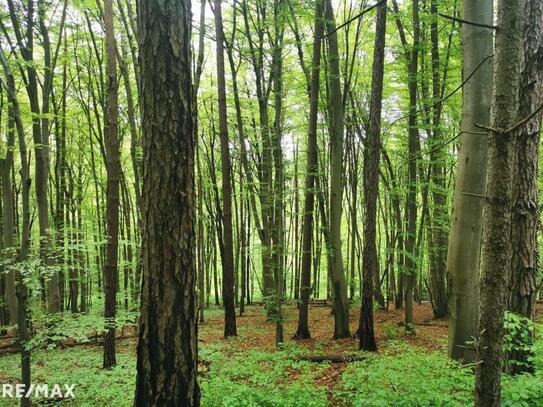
x=302, y=332
x=167, y=348
x=228, y=242
x=113, y=167
x=525, y=216
x=463, y=255
x=497, y=214
x=371, y=185
x=337, y=274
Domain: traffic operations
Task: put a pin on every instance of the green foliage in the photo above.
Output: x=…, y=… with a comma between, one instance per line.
x=518, y=337
x=391, y=331
x=260, y=379
x=233, y=376
x=405, y=376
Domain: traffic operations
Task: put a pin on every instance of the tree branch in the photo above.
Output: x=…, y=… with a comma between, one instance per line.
x=492, y=27
x=366, y=10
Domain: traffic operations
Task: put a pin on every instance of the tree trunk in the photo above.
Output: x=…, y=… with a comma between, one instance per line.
x=167, y=348
x=439, y=219
x=228, y=255
x=302, y=332
x=371, y=185
x=525, y=216
x=337, y=274
x=413, y=143
x=8, y=221
x=113, y=168
x=463, y=255
x=497, y=215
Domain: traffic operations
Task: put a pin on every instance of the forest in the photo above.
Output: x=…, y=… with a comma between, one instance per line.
x=271, y=203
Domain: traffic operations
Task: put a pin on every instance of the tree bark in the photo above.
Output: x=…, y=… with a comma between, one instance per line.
x=371, y=185
x=228, y=255
x=525, y=216
x=167, y=348
x=302, y=331
x=8, y=221
x=497, y=215
x=463, y=255
x=113, y=168
x=337, y=274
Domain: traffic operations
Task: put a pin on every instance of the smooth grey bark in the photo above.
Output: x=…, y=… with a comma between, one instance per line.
x=463, y=255
x=335, y=257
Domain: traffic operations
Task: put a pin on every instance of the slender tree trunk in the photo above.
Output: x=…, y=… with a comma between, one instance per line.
x=439, y=220
x=21, y=289
x=497, y=215
x=167, y=348
x=337, y=274
x=371, y=185
x=413, y=143
x=302, y=332
x=8, y=221
x=113, y=168
x=228, y=255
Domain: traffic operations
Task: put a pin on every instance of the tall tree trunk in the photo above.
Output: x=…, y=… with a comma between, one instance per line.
x=371, y=185
x=337, y=274
x=167, y=348
x=228, y=255
x=302, y=332
x=463, y=255
x=497, y=215
x=525, y=216
x=21, y=289
x=439, y=219
x=278, y=233
x=413, y=144
x=113, y=167
x=8, y=221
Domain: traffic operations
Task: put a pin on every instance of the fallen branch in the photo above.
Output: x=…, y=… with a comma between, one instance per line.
x=330, y=358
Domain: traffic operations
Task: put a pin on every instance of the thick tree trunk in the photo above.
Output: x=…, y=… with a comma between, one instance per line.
x=463, y=255
x=525, y=216
x=497, y=215
x=371, y=185
x=167, y=348
x=113, y=167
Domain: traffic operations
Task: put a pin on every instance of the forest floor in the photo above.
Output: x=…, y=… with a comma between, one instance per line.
x=248, y=371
